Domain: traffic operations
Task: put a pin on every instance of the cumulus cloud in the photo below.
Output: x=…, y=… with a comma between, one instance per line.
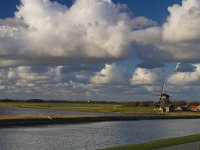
x=111, y=74
x=186, y=78
x=183, y=23
x=145, y=76
x=181, y=31
x=59, y=38
x=178, y=38
x=27, y=79
x=53, y=83
x=45, y=32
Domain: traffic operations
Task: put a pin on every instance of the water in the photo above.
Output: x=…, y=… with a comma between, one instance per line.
x=41, y=112
x=90, y=136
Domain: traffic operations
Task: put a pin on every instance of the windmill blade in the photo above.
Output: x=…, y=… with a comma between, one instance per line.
x=163, y=88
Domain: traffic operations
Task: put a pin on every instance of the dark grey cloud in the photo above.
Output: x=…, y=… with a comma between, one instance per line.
x=185, y=67
x=82, y=67
x=40, y=69
x=151, y=53
x=150, y=65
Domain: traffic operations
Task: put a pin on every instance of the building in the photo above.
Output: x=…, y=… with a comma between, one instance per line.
x=194, y=108
x=198, y=108
x=179, y=108
x=165, y=104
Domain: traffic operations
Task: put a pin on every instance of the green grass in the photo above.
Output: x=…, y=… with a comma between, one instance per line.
x=117, y=108
x=159, y=143
x=92, y=107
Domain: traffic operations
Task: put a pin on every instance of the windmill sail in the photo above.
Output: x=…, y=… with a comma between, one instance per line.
x=163, y=88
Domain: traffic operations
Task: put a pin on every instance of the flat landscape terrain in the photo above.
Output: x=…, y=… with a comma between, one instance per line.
x=93, y=107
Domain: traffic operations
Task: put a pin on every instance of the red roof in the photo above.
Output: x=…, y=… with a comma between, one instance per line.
x=193, y=106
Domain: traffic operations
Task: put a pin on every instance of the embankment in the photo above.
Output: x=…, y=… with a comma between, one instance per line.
x=70, y=120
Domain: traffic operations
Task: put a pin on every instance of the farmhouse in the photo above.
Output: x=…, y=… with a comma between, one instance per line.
x=194, y=108
x=198, y=108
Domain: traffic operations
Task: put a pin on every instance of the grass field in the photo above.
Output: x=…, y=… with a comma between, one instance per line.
x=91, y=107
x=116, y=108
x=159, y=143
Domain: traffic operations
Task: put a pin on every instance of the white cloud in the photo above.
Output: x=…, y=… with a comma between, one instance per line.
x=178, y=38
x=45, y=32
x=181, y=31
x=186, y=78
x=183, y=23
x=143, y=76
x=111, y=74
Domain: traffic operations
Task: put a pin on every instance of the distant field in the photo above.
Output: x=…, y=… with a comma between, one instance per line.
x=90, y=107
x=117, y=108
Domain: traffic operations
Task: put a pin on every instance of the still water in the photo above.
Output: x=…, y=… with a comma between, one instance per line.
x=91, y=136
x=41, y=112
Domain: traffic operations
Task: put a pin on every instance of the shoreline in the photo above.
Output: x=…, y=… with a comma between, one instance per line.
x=55, y=120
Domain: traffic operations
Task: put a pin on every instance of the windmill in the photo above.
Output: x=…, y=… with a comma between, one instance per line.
x=164, y=103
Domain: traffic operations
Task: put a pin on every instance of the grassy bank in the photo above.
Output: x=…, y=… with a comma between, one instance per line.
x=159, y=143
x=24, y=120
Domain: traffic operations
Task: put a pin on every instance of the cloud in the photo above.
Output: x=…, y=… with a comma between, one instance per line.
x=176, y=40
x=82, y=67
x=111, y=74
x=150, y=65
x=24, y=82
x=186, y=67
x=62, y=50
x=181, y=31
x=186, y=78
x=27, y=79
x=48, y=33
x=183, y=23
x=143, y=76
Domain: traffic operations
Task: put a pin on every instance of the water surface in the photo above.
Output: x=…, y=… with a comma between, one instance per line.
x=41, y=112
x=90, y=136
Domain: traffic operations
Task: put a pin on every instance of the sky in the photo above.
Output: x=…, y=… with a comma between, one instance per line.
x=112, y=50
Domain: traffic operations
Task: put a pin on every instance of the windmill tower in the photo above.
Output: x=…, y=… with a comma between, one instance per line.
x=164, y=103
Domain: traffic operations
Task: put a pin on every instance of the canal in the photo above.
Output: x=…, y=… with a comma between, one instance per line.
x=91, y=136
